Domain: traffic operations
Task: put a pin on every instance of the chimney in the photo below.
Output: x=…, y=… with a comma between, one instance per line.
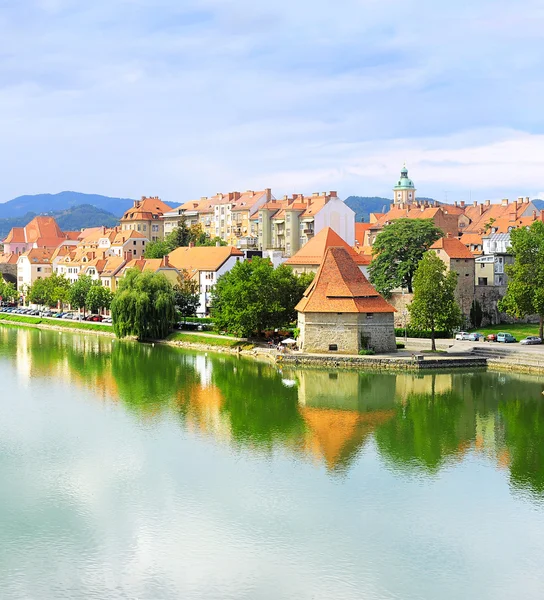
x=481, y=209
x=268, y=192
x=448, y=235
x=217, y=244
x=527, y=200
x=423, y=208
x=488, y=202
x=202, y=198
x=285, y=197
x=191, y=244
x=166, y=260
x=455, y=203
x=435, y=204
x=504, y=202
x=475, y=204
x=333, y=194
x=462, y=203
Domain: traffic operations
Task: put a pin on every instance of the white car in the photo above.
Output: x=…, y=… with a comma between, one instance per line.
x=531, y=340
x=462, y=335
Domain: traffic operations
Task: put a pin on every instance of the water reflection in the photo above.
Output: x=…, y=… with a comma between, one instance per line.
x=419, y=423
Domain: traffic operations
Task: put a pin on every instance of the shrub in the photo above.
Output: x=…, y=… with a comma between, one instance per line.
x=413, y=333
x=400, y=346
x=365, y=352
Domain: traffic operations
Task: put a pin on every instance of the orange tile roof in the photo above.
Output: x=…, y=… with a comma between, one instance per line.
x=339, y=286
x=113, y=264
x=40, y=229
x=202, y=258
x=452, y=247
x=39, y=255
x=360, y=230
x=473, y=239
x=146, y=209
x=313, y=252
x=122, y=236
x=8, y=259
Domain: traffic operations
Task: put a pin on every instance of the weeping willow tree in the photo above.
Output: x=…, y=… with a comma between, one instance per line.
x=144, y=306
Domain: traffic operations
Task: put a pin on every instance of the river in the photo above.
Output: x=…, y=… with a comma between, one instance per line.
x=145, y=472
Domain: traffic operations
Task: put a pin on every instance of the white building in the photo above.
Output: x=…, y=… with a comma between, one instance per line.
x=32, y=265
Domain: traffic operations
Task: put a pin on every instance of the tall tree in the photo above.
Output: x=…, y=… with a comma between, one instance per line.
x=186, y=293
x=98, y=297
x=525, y=290
x=8, y=291
x=144, y=306
x=253, y=296
x=434, y=307
x=39, y=293
x=397, y=250
x=79, y=291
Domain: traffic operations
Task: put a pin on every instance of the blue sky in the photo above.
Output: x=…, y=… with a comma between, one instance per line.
x=186, y=98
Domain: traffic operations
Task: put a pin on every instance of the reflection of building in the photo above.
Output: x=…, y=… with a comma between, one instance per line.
x=410, y=384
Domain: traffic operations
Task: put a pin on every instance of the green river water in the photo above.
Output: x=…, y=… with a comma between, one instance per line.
x=145, y=472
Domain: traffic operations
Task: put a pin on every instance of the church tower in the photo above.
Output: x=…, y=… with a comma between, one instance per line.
x=404, y=191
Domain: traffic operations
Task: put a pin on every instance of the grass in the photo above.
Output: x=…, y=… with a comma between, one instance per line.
x=179, y=336
x=57, y=323
x=518, y=330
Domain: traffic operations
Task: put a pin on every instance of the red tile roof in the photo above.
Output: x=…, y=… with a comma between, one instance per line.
x=453, y=248
x=339, y=286
x=313, y=252
x=202, y=258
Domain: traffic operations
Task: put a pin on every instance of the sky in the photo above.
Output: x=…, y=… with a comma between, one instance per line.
x=186, y=98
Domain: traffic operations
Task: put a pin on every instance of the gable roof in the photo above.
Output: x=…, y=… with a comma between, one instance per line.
x=39, y=255
x=313, y=252
x=41, y=230
x=452, y=247
x=146, y=209
x=339, y=286
x=202, y=258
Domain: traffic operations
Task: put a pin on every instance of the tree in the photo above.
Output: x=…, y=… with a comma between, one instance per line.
x=79, y=291
x=187, y=294
x=476, y=314
x=525, y=291
x=157, y=249
x=144, y=306
x=397, y=250
x=98, y=297
x=39, y=293
x=8, y=290
x=434, y=307
x=253, y=296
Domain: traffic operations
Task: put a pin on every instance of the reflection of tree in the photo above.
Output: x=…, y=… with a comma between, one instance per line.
x=425, y=431
x=149, y=377
x=261, y=409
x=524, y=438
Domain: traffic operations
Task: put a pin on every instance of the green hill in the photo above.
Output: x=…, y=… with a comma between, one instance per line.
x=70, y=219
x=364, y=205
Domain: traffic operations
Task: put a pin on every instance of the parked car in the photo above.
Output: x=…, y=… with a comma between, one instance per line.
x=506, y=338
x=462, y=335
x=68, y=316
x=96, y=318
x=492, y=337
x=531, y=340
x=476, y=336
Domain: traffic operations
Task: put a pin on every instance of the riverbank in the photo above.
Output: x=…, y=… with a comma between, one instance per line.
x=451, y=355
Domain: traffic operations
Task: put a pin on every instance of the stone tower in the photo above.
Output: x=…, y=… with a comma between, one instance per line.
x=404, y=191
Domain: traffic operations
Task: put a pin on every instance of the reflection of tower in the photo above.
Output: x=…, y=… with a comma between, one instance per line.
x=404, y=191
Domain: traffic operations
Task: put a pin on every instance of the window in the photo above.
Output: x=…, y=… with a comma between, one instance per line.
x=139, y=228
x=39, y=269
x=154, y=228
x=482, y=280
x=369, y=315
x=466, y=274
x=145, y=228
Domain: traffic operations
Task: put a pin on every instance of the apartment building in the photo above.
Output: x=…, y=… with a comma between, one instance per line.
x=146, y=217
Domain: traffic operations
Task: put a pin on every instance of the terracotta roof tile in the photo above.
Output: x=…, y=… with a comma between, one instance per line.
x=313, y=252
x=452, y=247
x=202, y=258
x=339, y=286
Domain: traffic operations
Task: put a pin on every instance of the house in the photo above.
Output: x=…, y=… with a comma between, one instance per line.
x=490, y=267
x=110, y=271
x=342, y=312
x=32, y=265
x=155, y=265
x=205, y=264
x=287, y=225
x=41, y=232
x=311, y=255
x=227, y=216
x=128, y=244
x=458, y=258
x=146, y=217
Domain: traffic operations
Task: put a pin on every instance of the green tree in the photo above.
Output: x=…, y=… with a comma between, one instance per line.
x=397, y=250
x=434, y=307
x=187, y=294
x=253, y=296
x=98, y=297
x=157, y=249
x=79, y=291
x=144, y=306
x=39, y=293
x=215, y=241
x=525, y=291
x=8, y=291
